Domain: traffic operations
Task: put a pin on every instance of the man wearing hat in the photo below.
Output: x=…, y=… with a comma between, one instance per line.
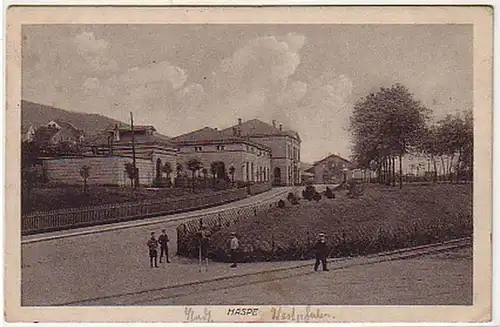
x=203, y=245
x=153, y=250
x=321, y=252
x=163, y=240
x=233, y=248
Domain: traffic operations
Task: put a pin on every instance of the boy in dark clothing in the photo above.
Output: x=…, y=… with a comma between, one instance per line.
x=163, y=240
x=153, y=250
x=321, y=252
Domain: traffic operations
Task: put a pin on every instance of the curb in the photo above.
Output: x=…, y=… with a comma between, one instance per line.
x=142, y=223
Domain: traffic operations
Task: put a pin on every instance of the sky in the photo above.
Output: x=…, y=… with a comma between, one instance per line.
x=180, y=78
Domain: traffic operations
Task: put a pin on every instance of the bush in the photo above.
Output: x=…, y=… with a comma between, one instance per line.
x=309, y=192
x=355, y=189
x=379, y=221
x=316, y=197
x=292, y=199
x=329, y=193
x=162, y=182
x=281, y=204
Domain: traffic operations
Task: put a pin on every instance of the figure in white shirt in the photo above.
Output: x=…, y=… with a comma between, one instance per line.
x=234, y=245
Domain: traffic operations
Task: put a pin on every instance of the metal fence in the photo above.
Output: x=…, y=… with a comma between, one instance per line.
x=187, y=232
x=80, y=217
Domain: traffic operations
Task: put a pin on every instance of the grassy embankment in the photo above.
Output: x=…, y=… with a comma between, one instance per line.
x=46, y=199
x=383, y=219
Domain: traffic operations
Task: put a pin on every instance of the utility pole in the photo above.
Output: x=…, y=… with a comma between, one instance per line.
x=133, y=149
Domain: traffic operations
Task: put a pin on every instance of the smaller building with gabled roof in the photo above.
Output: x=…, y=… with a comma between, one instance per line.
x=332, y=169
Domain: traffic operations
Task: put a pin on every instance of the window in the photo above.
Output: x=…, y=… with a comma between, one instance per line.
x=220, y=147
x=197, y=148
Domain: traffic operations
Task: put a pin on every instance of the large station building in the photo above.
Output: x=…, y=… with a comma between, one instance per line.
x=258, y=151
x=251, y=151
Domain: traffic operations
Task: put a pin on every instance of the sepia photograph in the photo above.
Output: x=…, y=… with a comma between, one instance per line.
x=284, y=164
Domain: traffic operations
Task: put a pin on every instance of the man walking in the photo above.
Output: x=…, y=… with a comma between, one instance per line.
x=203, y=244
x=153, y=250
x=321, y=252
x=163, y=240
x=234, y=245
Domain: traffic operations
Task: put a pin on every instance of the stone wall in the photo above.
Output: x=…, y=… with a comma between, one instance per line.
x=103, y=170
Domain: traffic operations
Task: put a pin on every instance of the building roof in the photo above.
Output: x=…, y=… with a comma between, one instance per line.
x=45, y=134
x=331, y=156
x=137, y=128
x=256, y=127
x=202, y=134
x=211, y=135
x=68, y=128
x=155, y=137
x=304, y=166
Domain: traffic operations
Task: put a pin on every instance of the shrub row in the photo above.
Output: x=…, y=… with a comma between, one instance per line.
x=376, y=222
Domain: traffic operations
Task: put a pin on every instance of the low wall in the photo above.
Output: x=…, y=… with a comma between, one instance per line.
x=81, y=217
x=103, y=170
x=259, y=188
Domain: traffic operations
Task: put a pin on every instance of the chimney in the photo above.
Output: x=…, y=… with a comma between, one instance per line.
x=274, y=123
x=281, y=127
x=239, y=121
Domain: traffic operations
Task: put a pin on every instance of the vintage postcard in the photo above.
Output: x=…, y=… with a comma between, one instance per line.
x=249, y=164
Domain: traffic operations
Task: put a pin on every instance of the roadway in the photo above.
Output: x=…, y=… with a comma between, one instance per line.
x=66, y=266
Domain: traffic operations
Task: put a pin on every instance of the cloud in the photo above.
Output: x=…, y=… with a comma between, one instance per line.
x=95, y=52
x=86, y=43
x=294, y=41
x=320, y=115
x=162, y=72
x=293, y=93
x=262, y=60
x=192, y=95
x=254, y=77
x=91, y=83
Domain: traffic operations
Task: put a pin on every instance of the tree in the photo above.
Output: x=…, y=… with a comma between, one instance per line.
x=456, y=139
x=467, y=154
x=385, y=126
x=85, y=173
x=194, y=165
x=430, y=146
x=131, y=173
